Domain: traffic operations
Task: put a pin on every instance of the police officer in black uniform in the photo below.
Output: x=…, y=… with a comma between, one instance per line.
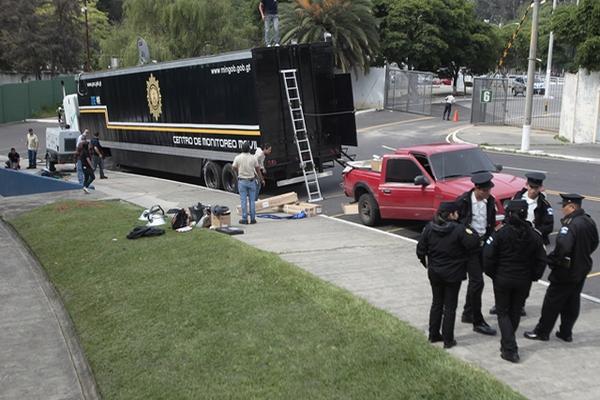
x=443, y=249
x=477, y=210
x=570, y=262
x=539, y=210
x=513, y=257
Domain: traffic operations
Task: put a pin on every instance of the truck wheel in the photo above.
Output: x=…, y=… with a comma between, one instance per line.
x=368, y=210
x=212, y=175
x=50, y=165
x=229, y=178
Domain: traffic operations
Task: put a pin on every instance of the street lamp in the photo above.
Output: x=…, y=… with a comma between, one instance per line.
x=549, y=61
x=84, y=9
x=530, y=77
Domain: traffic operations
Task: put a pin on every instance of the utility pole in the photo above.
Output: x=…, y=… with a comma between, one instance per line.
x=530, y=77
x=88, y=64
x=549, y=61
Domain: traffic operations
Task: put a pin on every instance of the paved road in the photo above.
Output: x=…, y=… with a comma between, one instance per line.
x=393, y=129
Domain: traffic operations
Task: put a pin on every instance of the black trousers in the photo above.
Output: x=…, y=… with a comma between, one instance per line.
x=443, y=306
x=88, y=176
x=474, y=288
x=561, y=299
x=510, y=298
x=447, y=110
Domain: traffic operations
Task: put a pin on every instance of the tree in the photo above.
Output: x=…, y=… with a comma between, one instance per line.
x=433, y=34
x=113, y=8
x=351, y=24
x=499, y=11
x=579, y=26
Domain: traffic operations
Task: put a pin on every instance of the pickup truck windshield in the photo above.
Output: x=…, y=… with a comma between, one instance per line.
x=460, y=163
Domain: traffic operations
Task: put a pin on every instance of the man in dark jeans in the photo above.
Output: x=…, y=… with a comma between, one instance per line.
x=97, y=155
x=268, y=13
x=477, y=211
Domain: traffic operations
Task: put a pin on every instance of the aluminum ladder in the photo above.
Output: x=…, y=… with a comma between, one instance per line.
x=301, y=135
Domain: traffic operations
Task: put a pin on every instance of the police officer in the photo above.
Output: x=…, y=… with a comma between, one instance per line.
x=477, y=210
x=570, y=262
x=513, y=257
x=443, y=249
x=539, y=212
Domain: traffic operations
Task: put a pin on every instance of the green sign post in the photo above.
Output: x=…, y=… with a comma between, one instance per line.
x=486, y=96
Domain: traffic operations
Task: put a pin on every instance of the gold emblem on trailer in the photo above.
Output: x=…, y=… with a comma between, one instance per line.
x=154, y=97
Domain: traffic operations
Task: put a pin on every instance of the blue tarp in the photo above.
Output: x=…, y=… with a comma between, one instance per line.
x=18, y=183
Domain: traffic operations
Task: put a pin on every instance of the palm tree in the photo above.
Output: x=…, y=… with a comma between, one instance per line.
x=351, y=23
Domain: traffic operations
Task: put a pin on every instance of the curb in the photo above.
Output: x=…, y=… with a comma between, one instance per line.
x=453, y=138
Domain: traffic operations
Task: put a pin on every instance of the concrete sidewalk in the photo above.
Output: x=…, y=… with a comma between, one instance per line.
x=542, y=143
x=381, y=268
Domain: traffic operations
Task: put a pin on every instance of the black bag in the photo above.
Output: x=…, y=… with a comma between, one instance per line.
x=180, y=220
x=141, y=231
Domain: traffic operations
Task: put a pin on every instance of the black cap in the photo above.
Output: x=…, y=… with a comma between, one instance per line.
x=483, y=180
x=516, y=205
x=568, y=198
x=448, y=206
x=535, y=178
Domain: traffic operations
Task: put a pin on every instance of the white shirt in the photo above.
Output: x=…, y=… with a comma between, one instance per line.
x=450, y=99
x=79, y=139
x=531, y=206
x=479, y=215
x=260, y=157
x=32, y=141
x=245, y=163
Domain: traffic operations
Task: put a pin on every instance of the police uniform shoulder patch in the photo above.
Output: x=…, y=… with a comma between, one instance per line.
x=550, y=211
x=490, y=240
x=564, y=230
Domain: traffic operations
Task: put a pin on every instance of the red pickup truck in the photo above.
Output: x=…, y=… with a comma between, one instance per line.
x=413, y=181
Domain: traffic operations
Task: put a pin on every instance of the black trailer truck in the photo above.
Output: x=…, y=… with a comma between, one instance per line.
x=190, y=116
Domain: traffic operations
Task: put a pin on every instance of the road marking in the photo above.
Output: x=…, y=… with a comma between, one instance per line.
x=526, y=170
x=337, y=215
x=587, y=197
x=593, y=274
x=369, y=128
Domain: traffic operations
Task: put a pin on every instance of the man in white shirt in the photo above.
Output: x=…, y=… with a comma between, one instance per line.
x=260, y=155
x=32, y=147
x=246, y=167
x=477, y=210
x=449, y=100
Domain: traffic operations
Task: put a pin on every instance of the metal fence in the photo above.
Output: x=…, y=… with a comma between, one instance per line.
x=501, y=101
x=408, y=91
x=19, y=101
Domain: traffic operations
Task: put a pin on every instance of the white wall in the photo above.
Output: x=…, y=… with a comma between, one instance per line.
x=368, y=89
x=580, y=113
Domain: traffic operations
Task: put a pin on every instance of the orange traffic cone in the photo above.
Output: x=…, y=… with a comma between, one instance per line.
x=455, y=117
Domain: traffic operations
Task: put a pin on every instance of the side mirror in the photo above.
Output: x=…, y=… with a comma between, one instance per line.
x=499, y=167
x=420, y=180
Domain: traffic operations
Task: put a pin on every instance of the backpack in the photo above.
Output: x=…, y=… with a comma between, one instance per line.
x=180, y=219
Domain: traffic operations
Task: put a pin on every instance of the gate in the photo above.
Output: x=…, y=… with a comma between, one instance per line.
x=501, y=101
x=408, y=91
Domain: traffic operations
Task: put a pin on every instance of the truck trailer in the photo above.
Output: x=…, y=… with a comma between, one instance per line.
x=191, y=116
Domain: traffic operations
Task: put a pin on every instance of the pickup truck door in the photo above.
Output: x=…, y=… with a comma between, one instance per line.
x=398, y=196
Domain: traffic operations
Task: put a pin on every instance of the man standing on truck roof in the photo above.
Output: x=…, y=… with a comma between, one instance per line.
x=477, y=210
x=260, y=157
x=32, y=147
x=246, y=167
x=268, y=13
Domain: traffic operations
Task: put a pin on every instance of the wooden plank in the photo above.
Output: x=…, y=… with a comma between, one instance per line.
x=272, y=204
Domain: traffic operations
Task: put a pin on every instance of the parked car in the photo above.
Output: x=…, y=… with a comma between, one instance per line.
x=539, y=87
x=412, y=182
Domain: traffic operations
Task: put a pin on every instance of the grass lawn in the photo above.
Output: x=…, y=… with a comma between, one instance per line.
x=201, y=315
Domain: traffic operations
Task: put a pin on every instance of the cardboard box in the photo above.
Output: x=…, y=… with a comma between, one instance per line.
x=310, y=209
x=350, y=209
x=376, y=165
x=273, y=203
x=220, y=221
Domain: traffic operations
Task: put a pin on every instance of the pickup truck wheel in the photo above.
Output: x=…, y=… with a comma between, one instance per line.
x=212, y=175
x=50, y=165
x=368, y=210
x=229, y=178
